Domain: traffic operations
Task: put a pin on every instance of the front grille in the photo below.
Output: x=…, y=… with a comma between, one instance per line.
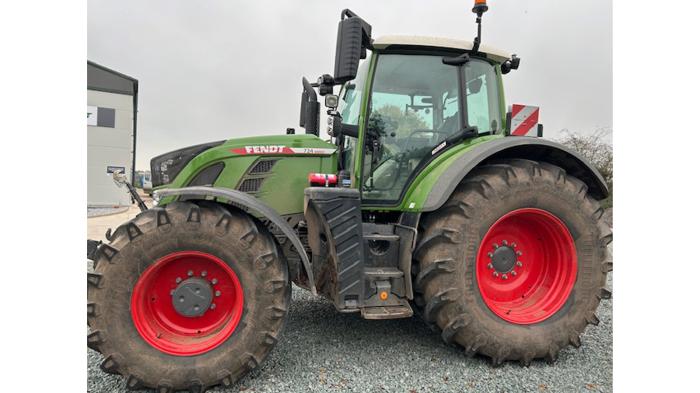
x=251, y=185
x=263, y=166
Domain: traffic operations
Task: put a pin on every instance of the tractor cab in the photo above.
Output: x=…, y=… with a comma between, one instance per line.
x=402, y=101
x=415, y=102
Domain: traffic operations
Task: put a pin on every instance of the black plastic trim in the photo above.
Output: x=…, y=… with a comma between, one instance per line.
x=207, y=176
x=340, y=215
x=433, y=51
x=185, y=155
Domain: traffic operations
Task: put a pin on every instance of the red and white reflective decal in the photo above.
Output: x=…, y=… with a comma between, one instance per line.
x=524, y=120
x=281, y=150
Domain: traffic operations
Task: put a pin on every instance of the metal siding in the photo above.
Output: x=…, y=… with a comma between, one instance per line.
x=109, y=146
x=111, y=100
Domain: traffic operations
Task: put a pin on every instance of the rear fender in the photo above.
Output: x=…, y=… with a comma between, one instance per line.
x=515, y=147
x=249, y=203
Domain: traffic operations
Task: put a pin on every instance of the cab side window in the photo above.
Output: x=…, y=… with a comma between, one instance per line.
x=483, y=106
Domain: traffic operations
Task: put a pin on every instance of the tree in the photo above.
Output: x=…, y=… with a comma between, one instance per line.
x=400, y=121
x=597, y=150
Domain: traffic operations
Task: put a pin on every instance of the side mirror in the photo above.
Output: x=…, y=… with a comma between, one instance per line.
x=354, y=37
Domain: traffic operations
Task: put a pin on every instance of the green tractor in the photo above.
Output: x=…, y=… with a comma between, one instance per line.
x=424, y=199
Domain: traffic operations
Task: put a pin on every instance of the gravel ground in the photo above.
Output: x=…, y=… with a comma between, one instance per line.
x=322, y=350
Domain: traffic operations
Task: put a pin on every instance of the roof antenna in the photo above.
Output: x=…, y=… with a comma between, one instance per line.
x=479, y=8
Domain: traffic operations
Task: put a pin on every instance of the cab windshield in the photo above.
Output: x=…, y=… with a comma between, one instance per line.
x=414, y=106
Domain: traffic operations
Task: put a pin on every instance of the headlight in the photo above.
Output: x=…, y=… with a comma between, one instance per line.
x=166, y=167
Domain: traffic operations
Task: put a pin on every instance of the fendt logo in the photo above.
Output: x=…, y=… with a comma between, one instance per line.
x=268, y=149
x=263, y=149
x=280, y=149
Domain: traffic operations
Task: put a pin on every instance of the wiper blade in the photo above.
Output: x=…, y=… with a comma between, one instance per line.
x=455, y=138
x=462, y=135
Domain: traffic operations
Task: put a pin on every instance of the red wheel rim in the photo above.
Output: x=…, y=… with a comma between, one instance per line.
x=537, y=283
x=166, y=329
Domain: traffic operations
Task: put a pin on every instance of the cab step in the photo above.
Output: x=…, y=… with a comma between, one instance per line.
x=382, y=273
x=402, y=310
x=374, y=237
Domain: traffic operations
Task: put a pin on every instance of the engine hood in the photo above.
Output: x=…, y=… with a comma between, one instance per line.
x=179, y=168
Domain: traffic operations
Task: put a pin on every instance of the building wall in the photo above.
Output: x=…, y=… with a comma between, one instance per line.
x=109, y=147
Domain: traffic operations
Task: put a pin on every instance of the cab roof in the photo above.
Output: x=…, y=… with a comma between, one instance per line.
x=385, y=42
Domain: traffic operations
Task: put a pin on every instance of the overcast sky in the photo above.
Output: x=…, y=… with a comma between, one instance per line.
x=211, y=70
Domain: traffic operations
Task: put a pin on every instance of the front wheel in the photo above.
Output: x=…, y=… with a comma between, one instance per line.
x=187, y=297
x=513, y=266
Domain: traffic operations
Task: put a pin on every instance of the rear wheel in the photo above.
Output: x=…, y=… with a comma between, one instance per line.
x=187, y=297
x=513, y=266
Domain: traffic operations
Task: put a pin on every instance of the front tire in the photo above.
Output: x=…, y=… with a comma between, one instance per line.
x=513, y=266
x=187, y=297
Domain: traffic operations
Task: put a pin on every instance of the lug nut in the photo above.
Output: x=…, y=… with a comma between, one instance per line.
x=214, y=281
x=505, y=242
x=519, y=253
x=490, y=266
x=519, y=264
x=217, y=293
x=495, y=245
x=190, y=273
x=495, y=274
x=204, y=273
x=213, y=306
x=514, y=273
x=513, y=245
x=490, y=254
x=178, y=280
x=505, y=276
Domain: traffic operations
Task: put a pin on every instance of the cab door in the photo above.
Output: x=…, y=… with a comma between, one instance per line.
x=413, y=105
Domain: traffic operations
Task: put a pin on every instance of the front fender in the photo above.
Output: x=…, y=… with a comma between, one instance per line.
x=251, y=203
x=452, y=171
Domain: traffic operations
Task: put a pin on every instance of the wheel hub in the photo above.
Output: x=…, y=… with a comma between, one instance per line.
x=526, y=266
x=187, y=303
x=504, y=259
x=192, y=298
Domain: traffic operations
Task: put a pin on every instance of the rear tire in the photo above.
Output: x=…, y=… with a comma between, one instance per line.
x=253, y=298
x=482, y=317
